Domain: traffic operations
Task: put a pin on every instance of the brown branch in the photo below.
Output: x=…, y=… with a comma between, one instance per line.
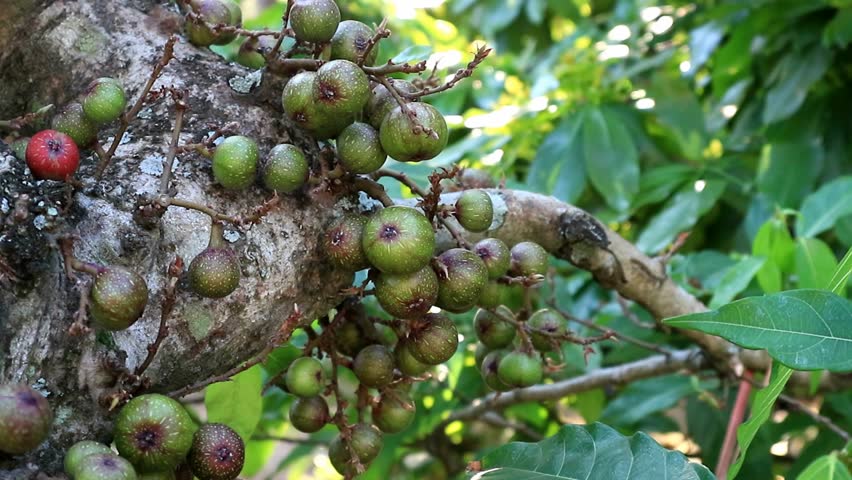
x=276, y=438
x=657, y=365
x=821, y=419
x=18, y=123
x=391, y=67
x=168, y=55
x=381, y=32
x=499, y=421
x=594, y=326
x=480, y=55
x=373, y=189
x=167, y=306
x=282, y=335
x=285, y=19
x=165, y=179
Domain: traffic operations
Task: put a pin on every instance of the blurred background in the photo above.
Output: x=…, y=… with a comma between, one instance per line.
x=716, y=117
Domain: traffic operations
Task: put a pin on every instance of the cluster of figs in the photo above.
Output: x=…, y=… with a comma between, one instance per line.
x=154, y=436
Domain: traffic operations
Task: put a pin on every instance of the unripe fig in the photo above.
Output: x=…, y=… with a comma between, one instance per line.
x=118, y=298
x=406, y=362
x=215, y=272
x=19, y=147
x=170, y=475
x=80, y=450
x=350, y=42
x=286, y=169
x=474, y=210
x=314, y=20
x=489, y=370
x=25, y=418
x=394, y=412
x=105, y=466
x=414, y=140
x=52, y=155
x=213, y=12
x=461, y=278
x=342, y=243
x=398, y=240
x=305, y=377
x=154, y=433
x=385, y=335
x=407, y=295
x=104, y=100
x=359, y=149
x=495, y=254
x=235, y=162
x=74, y=123
x=520, y=369
x=301, y=107
x=374, y=366
x=492, y=330
x=217, y=453
x=365, y=443
x=479, y=354
x=491, y=296
x=528, y=258
x=252, y=51
x=350, y=338
x=381, y=102
x=546, y=320
x=433, y=339
x=341, y=89
x=309, y=414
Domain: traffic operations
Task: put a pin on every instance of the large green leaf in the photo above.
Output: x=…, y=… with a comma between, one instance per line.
x=826, y=467
x=612, y=161
x=777, y=163
x=841, y=275
x=589, y=452
x=815, y=263
x=796, y=73
x=803, y=329
x=824, y=207
x=558, y=166
x=681, y=213
x=237, y=403
x=761, y=407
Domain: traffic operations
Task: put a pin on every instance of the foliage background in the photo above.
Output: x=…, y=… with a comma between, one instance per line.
x=722, y=118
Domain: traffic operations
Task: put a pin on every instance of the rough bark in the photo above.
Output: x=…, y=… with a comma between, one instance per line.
x=67, y=45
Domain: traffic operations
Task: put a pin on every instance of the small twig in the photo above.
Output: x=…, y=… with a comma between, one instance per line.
x=218, y=28
x=676, y=245
x=615, y=334
x=825, y=421
x=167, y=306
x=373, y=189
x=275, y=438
x=391, y=67
x=80, y=317
x=285, y=19
x=18, y=123
x=282, y=335
x=168, y=55
x=180, y=109
x=480, y=55
x=630, y=315
x=381, y=32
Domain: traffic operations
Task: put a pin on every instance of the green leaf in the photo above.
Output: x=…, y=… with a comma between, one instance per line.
x=657, y=184
x=774, y=243
x=612, y=162
x=827, y=467
x=535, y=10
x=778, y=160
x=838, y=32
x=558, y=166
x=824, y=207
x=841, y=276
x=589, y=452
x=735, y=280
x=237, y=403
x=803, y=329
x=681, y=213
x=815, y=263
x=761, y=407
x=645, y=397
x=796, y=73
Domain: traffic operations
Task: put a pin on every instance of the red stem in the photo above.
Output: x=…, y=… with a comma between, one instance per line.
x=729, y=446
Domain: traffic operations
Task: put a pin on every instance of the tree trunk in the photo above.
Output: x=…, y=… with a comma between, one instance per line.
x=56, y=52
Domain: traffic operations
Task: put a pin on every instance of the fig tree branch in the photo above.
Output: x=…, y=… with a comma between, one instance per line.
x=657, y=365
